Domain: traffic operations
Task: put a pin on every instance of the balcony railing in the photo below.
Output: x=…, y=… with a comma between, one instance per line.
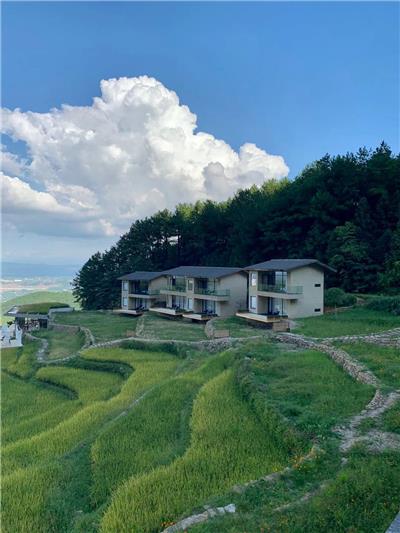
x=213, y=292
x=289, y=289
x=175, y=288
x=147, y=292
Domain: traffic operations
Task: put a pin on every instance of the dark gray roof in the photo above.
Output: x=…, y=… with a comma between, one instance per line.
x=288, y=264
x=203, y=271
x=141, y=276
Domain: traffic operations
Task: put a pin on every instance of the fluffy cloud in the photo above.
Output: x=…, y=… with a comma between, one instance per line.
x=133, y=151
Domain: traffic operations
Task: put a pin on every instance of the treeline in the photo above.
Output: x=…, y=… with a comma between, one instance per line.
x=344, y=211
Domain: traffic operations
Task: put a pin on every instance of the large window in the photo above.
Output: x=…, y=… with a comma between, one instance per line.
x=189, y=284
x=253, y=302
x=125, y=285
x=124, y=302
x=253, y=279
x=281, y=279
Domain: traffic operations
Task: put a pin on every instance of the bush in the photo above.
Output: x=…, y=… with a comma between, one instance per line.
x=336, y=297
x=389, y=304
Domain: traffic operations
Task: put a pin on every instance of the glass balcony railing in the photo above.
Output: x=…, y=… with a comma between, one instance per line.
x=175, y=288
x=213, y=292
x=289, y=289
x=148, y=292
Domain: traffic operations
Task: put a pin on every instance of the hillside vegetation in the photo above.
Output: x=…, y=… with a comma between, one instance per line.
x=341, y=210
x=64, y=297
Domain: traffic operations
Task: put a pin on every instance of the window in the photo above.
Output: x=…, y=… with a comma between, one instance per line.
x=253, y=302
x=317, y=284
x=125, y=302
x=190, y=304
x=125, y=285
x=190, y=285
x=317, y=310
x=253, y=279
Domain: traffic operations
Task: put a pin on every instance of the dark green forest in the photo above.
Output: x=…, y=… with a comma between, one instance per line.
x=342, y=210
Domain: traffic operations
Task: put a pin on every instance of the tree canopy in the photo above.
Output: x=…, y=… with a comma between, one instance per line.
x=343, y=211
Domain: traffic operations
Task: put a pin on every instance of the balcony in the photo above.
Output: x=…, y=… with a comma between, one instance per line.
x=212, y=294
x=143, y=292
x=170, y=289
x=287, y=292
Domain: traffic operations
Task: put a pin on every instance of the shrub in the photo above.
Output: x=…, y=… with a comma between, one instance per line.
x=336, y=297
x=389, y=304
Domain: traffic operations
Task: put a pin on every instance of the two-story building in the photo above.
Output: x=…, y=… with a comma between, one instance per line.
x=291, y=288
x=140, y=291
x=199, y=293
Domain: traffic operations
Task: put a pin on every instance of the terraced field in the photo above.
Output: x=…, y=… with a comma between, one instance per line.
x=126, y=440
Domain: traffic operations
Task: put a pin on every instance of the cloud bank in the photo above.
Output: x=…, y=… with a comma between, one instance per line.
x=90, y=171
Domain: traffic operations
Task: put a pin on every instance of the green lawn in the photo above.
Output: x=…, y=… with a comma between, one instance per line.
x=357, y=321
x=61, y=343
x=384, y=361
x=238, y=327
x=151, y=326
x=104, y=325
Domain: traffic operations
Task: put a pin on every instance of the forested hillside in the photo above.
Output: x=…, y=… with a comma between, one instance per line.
x=342, y=210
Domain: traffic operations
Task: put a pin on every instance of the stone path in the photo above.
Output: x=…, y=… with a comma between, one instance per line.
x=395, y=525
x=385, y=338
x=44, y=347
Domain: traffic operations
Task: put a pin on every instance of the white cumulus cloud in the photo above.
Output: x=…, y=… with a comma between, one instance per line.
x=134, y=151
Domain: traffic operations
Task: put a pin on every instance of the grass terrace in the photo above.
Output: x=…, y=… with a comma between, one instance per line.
x=42, y=308
x=357, y=321
x=151, y=326
x=61, y=343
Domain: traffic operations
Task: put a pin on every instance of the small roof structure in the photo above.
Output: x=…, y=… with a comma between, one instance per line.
x=203, y=271
x=288, y=264
x=141, y=275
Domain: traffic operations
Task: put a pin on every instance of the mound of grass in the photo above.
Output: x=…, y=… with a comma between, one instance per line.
x=228, y=446
x=40, y=307
x=89, y=385
x=357, y=321
x=160, y=425
x=391, y=419
x=384, y=361
x=151, y=326
x=149, y=370
x=104, y=325
x=61, y=343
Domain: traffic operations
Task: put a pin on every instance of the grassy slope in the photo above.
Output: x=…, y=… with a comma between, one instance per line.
x=38, y=297
x=220, y=455
x=104, y=325
x=238, y=327
x=352, y=322
x=61, y=343
x=155, y=327
x=384, y=361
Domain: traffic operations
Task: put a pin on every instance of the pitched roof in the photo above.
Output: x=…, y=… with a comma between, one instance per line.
x=202, y=271
x=141, y=276
x=288, y=264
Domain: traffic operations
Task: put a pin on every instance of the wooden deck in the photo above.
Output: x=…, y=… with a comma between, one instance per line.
x=132, y=312
x=267, y=319
x=166, y=311
x=197, y=316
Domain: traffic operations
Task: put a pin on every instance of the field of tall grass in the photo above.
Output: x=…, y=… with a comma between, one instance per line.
x=61, y=343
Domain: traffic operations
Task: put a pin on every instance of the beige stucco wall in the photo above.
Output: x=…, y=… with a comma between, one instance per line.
x=237, y=285
x=306, y=303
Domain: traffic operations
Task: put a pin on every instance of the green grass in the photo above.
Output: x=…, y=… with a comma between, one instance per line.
x=384, y=361
x=151, y=326
x=306, y=387
x=160, y=426
x=61, y=343
x=238, y=327
x=150, y=369
x=357, y=321
x=29, y=408
x=221, y=454
x=89, y=385
x=41, y=308
x=391, y=419
x=64, y=297
x=104, y=325
x=24, y=362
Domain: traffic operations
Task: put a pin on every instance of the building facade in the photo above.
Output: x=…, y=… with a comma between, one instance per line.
x=140, y=291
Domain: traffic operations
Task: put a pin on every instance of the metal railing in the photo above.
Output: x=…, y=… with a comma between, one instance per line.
x=289, y=289
x=213, y=292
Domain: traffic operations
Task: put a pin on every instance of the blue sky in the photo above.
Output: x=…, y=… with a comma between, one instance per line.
x=297, y=79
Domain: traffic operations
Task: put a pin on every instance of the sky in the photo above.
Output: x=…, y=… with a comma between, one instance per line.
x=111, y=111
